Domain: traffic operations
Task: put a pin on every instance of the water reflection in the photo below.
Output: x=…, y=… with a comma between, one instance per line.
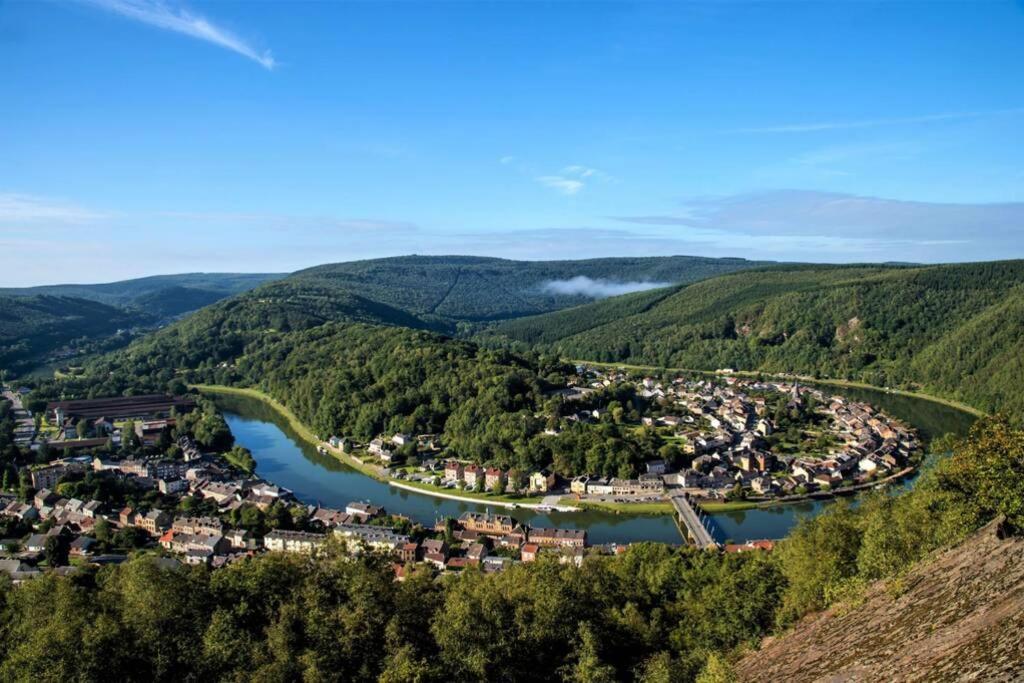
x=283, y=457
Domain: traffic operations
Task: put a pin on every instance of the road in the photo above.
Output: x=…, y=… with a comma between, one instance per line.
x=691, y=520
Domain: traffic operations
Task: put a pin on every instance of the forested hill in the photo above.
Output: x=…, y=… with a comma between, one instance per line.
x=159, y=295
x=33, y=327
x=448, y=289
x=953, y=330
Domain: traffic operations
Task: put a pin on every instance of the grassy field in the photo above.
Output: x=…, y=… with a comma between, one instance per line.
x=661, y=507
x=712, y=507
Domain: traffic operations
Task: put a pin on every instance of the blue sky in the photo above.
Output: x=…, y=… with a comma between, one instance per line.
x=141, y=137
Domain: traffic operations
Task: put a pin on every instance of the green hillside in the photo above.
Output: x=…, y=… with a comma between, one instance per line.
x=32, y=328
x=955, y=330
x=468, y=288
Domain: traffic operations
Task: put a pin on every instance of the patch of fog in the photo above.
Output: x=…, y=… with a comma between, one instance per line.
x=581, y=285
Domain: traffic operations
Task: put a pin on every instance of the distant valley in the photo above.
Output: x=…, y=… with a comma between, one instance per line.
x=54, y=323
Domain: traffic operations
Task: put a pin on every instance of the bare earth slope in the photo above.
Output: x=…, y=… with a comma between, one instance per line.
x=958, y=616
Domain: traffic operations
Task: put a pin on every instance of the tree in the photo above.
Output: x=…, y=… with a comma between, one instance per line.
x=716, y=670
x=987, y=469
x=56, y=550
x=25, y=489
x=102, y=530
x=588, y=667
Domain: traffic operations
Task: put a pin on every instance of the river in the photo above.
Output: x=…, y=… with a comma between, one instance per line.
x=286, y=459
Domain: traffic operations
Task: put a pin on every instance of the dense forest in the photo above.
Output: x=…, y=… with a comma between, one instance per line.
x=450, y=289
x=32, y=328
x=654, y=614
x=952, y=330
x=443, y=293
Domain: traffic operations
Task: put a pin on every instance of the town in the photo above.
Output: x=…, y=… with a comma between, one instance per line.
x=123, y=475
x=199, y=508
x=726, y=438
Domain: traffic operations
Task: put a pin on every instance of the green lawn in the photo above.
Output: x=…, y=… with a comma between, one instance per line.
x=661, y=507
x=726, y=506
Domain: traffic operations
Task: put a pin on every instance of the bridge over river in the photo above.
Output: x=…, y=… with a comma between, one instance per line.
x=693, y=522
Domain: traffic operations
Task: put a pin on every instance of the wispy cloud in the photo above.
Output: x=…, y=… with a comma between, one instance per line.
x=805, y=213
x=814, y=126
x=180, y=20
x=573, y=178
x=569, y=186
x=23, y=208
x=581, y=285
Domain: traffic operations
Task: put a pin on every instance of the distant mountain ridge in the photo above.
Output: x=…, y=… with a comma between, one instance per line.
x=159, y=295
x=445, y=290
x=435, y=293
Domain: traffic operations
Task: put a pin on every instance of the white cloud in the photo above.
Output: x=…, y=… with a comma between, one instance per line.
x=568, y=186
x=581, y=285
x=573, y=178
x=811, y=127
x=180, y=20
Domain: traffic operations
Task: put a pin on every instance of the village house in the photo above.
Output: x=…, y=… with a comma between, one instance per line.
x=435, y=552
x=21, y=511
x=302, y=542
x=493, y=477
x=491, y=525
x=363, y=511
x=170, y=487
x=579, y=484
x=81, y=546
x=210, y=526
x=576, y=538
x=453, y=470
x=471, y=474
x=542, y=481
x=407, y=552
x=154, y=522
x=529, y=552
x=658, y=467
x=476, y=553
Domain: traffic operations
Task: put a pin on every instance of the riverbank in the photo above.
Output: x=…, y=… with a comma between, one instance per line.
x=378, y=473
x=565, y=504
x=807, y=379
x=508, y=505
x=660, y=507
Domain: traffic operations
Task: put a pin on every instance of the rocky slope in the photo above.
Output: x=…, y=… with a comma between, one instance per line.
x=957, y=616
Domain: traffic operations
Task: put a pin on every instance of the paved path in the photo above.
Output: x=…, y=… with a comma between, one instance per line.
x=479, y=501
